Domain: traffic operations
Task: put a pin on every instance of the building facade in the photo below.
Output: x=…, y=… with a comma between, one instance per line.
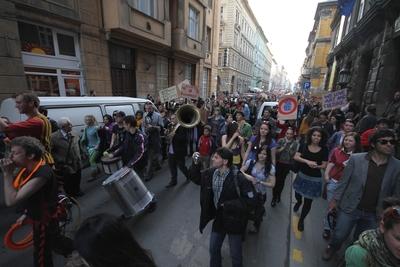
x=130, y=47
x=314, y=68
x=366, y=47
x=46, y=45
x=262, y=61
x=241, y=40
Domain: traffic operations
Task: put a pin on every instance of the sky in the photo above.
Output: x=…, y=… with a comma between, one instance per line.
x=286, y=24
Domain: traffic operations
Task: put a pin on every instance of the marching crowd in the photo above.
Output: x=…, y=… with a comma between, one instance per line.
x=346, y=156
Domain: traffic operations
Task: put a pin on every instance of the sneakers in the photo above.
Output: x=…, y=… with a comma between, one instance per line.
x=328, y=254
x=273, y=203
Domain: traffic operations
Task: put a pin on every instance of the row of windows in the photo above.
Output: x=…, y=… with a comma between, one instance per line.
x=242, y=45
x=346, y=23
x=244, y=26
x=230, y=58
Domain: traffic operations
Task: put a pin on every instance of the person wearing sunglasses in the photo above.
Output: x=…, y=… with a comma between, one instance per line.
x=367, y=179
x=380, y=246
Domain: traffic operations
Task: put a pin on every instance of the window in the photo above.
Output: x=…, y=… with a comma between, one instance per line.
x=209, y=41
x=237, y=17
x=36, y=39
x=221, y=35
x=222, y=14
x=76, y=115
x=348, y=24
x=226, y=54
x=194, y=23
x=128, y=109
x=210, y=3
x=190, y=73
x=206, y=82
x=51, y=59
x=66, y=44
x=148, y=7
x=220, y=59
x=361, y=10
x=162, y=73
x=54, y=82
x=43, y=84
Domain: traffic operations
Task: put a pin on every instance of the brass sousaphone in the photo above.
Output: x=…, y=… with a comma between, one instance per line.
x=188, y=116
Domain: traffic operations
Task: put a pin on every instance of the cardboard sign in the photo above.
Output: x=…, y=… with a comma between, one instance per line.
x=287, y=108
x=168, y=94
x=335, y=99
x=188, y=90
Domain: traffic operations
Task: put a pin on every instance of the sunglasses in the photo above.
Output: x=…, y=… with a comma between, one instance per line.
x=385, y=142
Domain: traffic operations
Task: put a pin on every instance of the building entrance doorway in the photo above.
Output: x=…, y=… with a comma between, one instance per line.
x=123, y=75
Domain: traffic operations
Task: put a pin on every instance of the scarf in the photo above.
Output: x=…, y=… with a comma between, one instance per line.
x=378, y=254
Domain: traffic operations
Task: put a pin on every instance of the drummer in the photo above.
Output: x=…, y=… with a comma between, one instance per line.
x=132, y=149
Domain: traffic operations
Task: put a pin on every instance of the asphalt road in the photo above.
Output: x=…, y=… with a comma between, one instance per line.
x=171, y=231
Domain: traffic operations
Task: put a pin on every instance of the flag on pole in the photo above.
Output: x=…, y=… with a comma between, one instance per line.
x=346, y=7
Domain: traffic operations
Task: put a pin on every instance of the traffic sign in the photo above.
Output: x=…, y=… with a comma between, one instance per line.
x=287, y=108
x=306, y=85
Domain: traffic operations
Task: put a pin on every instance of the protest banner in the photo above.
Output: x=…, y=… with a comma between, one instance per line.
x=335, y=99
x=168, y=94
x=287, y=108
x=187, y=90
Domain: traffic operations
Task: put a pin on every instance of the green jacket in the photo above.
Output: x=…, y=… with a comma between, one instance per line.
x=356, y=256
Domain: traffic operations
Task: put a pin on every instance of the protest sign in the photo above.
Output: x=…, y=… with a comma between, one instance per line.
x=168, y=94
x=188, y=90
x=287, y=108
x=335, y=99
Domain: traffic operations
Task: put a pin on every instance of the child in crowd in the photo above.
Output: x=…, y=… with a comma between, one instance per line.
x=206, y=147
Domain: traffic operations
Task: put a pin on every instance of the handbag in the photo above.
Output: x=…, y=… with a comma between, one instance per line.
x=235, y=213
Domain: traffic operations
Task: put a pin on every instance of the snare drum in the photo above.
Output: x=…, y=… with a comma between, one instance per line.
x=111, y=165
x=127, y=189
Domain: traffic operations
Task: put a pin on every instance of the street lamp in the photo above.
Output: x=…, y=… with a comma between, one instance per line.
x=344, y=77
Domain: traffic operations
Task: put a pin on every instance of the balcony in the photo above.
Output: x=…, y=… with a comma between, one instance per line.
x=306, y=72
x=123, y=21
x=183, y=44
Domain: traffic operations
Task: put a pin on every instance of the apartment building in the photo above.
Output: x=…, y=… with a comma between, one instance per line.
x=46, y=44
x=130, y=47
x=241, y=40
x=365, y=53
x=319, y=41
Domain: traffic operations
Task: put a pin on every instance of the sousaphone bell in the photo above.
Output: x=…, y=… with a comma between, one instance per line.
x=188, y=116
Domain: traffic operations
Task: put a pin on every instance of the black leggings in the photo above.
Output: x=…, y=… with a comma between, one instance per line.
x=282, y=171
x=306, y=206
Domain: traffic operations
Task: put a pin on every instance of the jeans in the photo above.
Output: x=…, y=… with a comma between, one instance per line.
x=330, y=191
x=235, y=246
x=345, y=222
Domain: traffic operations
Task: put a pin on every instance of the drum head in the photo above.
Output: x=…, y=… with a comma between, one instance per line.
x=117, y=175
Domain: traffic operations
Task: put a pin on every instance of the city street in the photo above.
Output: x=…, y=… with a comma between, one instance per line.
x=171, y=232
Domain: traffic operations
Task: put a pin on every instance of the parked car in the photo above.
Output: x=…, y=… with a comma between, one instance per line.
x=76, y=108
x=266, y=106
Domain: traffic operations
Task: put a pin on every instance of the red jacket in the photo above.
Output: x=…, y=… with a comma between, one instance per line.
x=365, y=138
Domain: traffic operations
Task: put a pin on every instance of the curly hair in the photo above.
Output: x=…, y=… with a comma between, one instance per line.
x=30, y=145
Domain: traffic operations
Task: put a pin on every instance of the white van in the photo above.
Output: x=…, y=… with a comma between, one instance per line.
x=266, y=106
x=76, y=108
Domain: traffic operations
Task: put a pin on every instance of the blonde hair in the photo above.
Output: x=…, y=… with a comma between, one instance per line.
x=91, y=118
